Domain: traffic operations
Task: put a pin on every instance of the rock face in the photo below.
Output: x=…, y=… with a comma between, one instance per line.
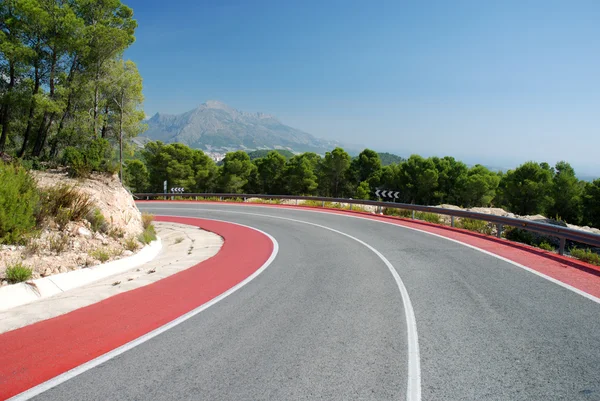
x=216, y=126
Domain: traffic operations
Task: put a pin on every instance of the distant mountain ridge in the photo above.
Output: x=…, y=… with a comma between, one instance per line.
x=215, y=126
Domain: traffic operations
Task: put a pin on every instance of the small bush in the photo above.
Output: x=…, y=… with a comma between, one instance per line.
x=131, y=244
x=17, y=273
x=33, y=246
x=148, y=235
x=429, y=217
x=59, y=243
x=18, y=201
x=65, y=203
x=519, y=235
x=546, y=246
x=97, y=221
x=586, y=255
x=479, y=226
x=101, y=254
x=95, y=156
x=147, y=220
x=116, y=233
x=389, y=211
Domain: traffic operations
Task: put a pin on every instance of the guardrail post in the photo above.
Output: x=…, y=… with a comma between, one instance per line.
x=221, y=198
x=323, y=205
x=296, y=202
x=413, y=214
x=561, y=247
x=351, y=206
x=195, y=198
x=451, y=221
x=499, y=228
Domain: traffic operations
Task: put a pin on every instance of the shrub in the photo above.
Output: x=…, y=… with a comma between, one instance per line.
x=97, y=221
x=390, y=211
x=17, y=273
x=100, y=254
x=479, y=226
x=546, y=246
x=18, y=200
x=586, y=255
x=59, y=243
x=147, y=220
x=131, y=244
x=519, y=235
x=96, y=156
x=148, y=235
x=65, y=203
x=116, y=233
x=429, y=217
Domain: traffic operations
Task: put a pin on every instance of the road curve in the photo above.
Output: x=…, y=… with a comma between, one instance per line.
x=327, y=320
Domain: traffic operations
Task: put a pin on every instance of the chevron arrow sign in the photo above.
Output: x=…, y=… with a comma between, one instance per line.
x=386, y=193
x=177, y=190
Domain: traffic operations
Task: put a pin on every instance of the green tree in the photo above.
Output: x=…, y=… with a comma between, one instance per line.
x=299, y=174
x=366, y=168
x=270, y=169
x=417, y=180
x=334, y=168
x=591, y=203
x=136, y=176
x=526, y=189
x=566, y=194
x=363, y=191
x=478, y=187
x=236, y=172
x=451, y=177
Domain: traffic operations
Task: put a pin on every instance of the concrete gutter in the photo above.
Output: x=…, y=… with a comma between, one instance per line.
x=24, y=293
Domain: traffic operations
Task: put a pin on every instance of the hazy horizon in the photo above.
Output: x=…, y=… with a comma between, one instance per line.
x=497, y=84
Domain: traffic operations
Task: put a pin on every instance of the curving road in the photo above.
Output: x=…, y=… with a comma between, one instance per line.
x=328, y=320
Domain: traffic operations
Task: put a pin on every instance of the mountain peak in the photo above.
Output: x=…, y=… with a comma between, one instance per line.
x=216, y=104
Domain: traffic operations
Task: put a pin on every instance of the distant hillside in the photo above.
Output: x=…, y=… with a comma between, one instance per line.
x=216, y=127
x=389, y=158
x=257, y=154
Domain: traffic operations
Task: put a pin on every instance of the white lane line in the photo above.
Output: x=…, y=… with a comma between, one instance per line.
x=413, y=388
x=530, y=270
x=47, y=385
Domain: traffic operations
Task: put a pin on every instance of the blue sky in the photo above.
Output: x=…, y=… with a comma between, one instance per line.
x=497, y=82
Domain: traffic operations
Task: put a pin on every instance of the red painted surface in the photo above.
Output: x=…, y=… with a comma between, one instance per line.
x=41, y=351
x=581, y=275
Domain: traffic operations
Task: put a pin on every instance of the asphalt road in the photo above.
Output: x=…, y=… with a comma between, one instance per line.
x=326, y=320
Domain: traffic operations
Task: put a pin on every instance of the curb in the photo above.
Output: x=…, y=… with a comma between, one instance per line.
x=24, y=293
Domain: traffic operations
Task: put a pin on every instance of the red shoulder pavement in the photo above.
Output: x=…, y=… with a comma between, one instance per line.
x=34, y=354
x=578, y=274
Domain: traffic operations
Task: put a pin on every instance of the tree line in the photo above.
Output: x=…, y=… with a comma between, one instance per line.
x=63, y=80
x=531, y=188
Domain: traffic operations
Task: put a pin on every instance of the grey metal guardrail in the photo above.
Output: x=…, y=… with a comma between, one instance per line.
x=562, y=233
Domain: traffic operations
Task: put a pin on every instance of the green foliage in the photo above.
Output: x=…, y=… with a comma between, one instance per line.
x=479, y=226
x=17, y=273
x=586, y=255
x=526, y=189
x=591, y=203
x=389, y=158
x=389, y=211
x=363, y=191
x=65, y=203
x=18, y=201
x=566, y=193
x=136, y=176
x=259, y=154
x=429, y=217
x=546, y=246
x=148, y=235
x=147, y=220
x=300, y=174
x=236, y=172
x=131, y=244
x=519, y=235
x=333, y=171
x=477, y=187
x=269, y=172
x=97, y=221
x=95, y=156
x=101, y=254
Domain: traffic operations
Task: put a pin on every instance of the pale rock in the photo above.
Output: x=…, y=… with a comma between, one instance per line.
x=4, y=282
x=47, y=272
x=84, y=232
x=127, y=253
x=63, y=269
x=55, y=271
